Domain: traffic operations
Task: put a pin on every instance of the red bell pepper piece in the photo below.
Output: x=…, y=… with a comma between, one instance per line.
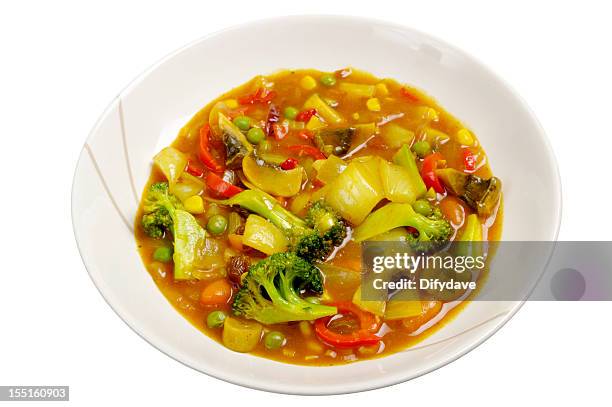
x=408, y=95
x=304, y=149
x=204, y=153
x=221, y=187
x=364, y=335
x=305, y=115
x=289, y=164
x=194, y=169
x=428, y=172
x=469, y=160
x=261, y=95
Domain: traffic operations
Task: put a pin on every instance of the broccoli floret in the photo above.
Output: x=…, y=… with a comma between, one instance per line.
x=159, y=206
x=432, y=231
x=271, y=291
x=312, y=239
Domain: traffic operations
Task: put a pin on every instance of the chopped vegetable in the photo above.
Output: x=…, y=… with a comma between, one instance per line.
x=376, y=307
x=255, y=135
x=263, y=236
x=241, y=336
x=271, y=120
x=327, y=80
x=290, y=112
x=220, y=187
x=334, y=141
x=217, y=224
x=204, y=153
x=404, y=158
x=397, y=183
x=423, y=207
x=394, y=215
x=381, y=89
x=428, y=172
x=469, y=160
x=236, y=144
x=323, y=109
x=194, y=205
x=163, y=254
x=271, y=179
x=280, y=130
x=171, y=162
x=472, y=231
x=464, y=137
x=194, y=169
x=395, y=135
x=357, y=190
x=242, y=122
x=163, y=212
x=480, y=194
x=217, y=293
x=373, y=104
x=363, y=335
x=308, y=82
x=270, y=291
x=289, y=164
x=357, y=89
x=403, y=304
x=329, y=169
x=305, y=149
x=187, y=186
x=305, y=115
x=274, y=340
x=261, y=95
x=315, y=124
x=421, y=148
x=215, y=319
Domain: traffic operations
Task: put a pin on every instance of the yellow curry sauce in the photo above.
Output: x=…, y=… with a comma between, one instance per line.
x=371, y=110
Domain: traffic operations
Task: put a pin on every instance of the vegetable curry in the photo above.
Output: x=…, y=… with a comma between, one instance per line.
x=252, y=221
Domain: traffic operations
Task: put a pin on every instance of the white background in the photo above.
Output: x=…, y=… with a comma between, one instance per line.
x=62, y=62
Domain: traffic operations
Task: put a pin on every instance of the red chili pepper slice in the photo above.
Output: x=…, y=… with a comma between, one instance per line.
x=408, y=95
x=289, y=164
x=428, y=172
x=365, y=335
x=194, y=169
x=261, y=95
x=221, y=187
x=304, y=149
x=204, y=153
x=280, y=130
x=469, y=159
x=273, y=118
x=305, y=115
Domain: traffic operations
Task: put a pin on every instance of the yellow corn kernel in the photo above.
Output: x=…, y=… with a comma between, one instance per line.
x=305, y=328
x=373, y=104
x=381, y=89
x=355, y=116
x=194, y=204
x=315, y=124
x=308, y=82
x=465, y=138
x=231, y=103
x=428, y=114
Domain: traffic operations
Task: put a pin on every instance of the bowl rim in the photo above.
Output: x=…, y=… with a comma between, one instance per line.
x=285, y=389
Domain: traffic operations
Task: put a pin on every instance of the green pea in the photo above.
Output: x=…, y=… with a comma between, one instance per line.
x=421, y=148
x=242, y=122
x=163, y=254
x=274, y=340
x=328, y=79
x=423, y=207
x=264, y=146
x=216, y=224
x=255, y=135
x=291, y=112
x=215, y=319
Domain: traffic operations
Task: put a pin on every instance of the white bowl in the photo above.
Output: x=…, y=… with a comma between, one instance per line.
x=115, y=163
